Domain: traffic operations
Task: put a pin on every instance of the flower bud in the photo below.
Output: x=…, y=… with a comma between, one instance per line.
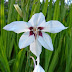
x=18, y=9
x=38, y=68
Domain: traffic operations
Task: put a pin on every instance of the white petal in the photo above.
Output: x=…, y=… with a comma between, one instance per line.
x=17, y=26
x=25, y=40
x=42, y=24
x=54, y=26
x=38, y=68
x=36, y=47
x=46, y=41
x=37, y=19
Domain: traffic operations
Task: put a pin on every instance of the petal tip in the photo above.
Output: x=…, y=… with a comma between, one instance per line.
x=52, y=49
x=41, y=13
x=5, y=28
x=66, y=27
x=20, y=47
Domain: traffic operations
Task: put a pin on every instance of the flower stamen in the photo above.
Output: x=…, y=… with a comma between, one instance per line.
x=36, y=31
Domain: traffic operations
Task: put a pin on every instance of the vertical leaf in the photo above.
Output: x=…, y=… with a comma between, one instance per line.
x=44, y=11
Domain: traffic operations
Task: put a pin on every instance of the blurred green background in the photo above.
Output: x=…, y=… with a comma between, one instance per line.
x=12, y=59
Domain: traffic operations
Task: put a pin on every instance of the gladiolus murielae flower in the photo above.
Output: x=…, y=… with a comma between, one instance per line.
x=37, y=68
x=35, y=35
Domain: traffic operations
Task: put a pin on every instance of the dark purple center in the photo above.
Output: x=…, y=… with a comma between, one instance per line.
x=40, y=33
x=33, y=31
x=30, y=28
x=40, y=28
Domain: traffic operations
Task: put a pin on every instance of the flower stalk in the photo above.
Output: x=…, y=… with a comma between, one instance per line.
x=38, y=60
x=33, y=61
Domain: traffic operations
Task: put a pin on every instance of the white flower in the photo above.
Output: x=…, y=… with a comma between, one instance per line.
x=37, y=68
x=34, y=32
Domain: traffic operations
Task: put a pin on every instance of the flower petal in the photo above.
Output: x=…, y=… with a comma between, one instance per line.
x=25, y=40
x=37, y=19
x=46, y=41
x=36, y=47
x=54, y=26
x=38, y=68
x=17, y=26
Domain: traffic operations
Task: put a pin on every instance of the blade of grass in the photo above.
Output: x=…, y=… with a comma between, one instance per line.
x=49, y=15
x=44, y=11
x=19, y=61
x=35, y=7
x=55, y=56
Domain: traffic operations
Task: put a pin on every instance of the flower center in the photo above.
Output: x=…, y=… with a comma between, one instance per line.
x=36, y=31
